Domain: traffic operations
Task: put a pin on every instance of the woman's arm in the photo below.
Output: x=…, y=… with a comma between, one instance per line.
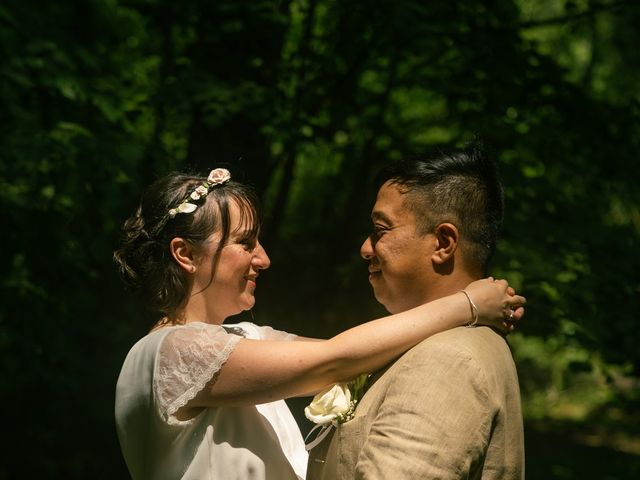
x=507, y=325
x=264, y=371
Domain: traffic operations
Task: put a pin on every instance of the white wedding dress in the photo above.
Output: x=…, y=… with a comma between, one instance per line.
x=166, y=369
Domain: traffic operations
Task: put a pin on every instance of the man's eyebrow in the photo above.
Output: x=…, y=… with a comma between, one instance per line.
x=378, y=215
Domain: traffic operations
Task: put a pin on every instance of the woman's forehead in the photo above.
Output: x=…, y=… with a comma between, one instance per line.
x=243, y=216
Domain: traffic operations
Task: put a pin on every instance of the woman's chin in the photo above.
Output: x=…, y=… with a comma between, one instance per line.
x=248, y=303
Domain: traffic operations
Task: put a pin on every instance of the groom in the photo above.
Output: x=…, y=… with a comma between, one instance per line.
x=450, y=407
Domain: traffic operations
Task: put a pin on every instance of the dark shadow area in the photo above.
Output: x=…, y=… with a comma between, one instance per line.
x=552, y=455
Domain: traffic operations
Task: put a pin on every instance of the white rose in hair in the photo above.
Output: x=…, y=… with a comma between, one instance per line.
x=330, y=404
x=186, y=207
x=218, y=176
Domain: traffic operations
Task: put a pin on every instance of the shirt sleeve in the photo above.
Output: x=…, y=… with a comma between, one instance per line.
x=188, y=358
x=434, y=423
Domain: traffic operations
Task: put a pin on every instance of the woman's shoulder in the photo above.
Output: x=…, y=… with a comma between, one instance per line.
x=244, y=329
x=195, y=338
x=257, y=332
x=158, y=334
x=149, y=345
x=149, y=342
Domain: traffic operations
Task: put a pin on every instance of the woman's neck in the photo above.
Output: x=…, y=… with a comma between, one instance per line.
x=191, y=313
x=198, y=311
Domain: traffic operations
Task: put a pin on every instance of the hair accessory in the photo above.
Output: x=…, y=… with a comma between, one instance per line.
x=474, y=309
x=218, y=176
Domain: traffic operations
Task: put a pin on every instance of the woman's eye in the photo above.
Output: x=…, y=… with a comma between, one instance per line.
x=248, y=243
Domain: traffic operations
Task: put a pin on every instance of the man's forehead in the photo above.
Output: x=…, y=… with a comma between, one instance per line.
x=391, y=204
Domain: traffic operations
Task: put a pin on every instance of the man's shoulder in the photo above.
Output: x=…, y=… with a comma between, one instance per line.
x=461, y=336
x=477, y=344
x=474, y=352
x=478, y=358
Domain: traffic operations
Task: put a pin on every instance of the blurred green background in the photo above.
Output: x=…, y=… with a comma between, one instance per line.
x=306, y=100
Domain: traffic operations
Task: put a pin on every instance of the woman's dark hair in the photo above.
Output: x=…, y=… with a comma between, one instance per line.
x=144, y=258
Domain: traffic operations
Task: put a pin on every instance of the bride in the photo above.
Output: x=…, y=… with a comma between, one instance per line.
x=197, y=400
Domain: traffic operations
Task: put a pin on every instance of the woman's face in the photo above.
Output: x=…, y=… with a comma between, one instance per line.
x=234, y=282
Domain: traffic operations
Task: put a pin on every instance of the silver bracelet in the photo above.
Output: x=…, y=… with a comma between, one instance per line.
x=474, y=310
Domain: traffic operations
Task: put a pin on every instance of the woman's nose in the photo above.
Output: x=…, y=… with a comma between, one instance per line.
x=260, y=258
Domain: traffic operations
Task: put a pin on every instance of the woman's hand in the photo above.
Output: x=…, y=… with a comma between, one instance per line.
x=496, y=302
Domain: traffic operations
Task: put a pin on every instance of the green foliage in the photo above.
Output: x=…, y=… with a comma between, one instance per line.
x=306, y=100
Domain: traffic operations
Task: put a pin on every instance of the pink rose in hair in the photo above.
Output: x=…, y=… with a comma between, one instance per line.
x=199, y=192
x=219, y=176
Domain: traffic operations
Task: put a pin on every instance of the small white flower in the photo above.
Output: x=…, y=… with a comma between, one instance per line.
x=219, y=176
x=329, y=405
x=199, y=192
x=185, y=207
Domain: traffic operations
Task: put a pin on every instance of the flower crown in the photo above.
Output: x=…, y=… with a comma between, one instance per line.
x=218, y=176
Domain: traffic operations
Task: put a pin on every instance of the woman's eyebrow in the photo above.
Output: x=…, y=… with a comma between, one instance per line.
x=241, y=233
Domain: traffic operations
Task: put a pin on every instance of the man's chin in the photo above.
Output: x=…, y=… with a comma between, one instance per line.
x=382, y=300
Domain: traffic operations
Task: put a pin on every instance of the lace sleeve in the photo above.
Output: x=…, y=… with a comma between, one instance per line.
x=268, y=333
x=188, y=359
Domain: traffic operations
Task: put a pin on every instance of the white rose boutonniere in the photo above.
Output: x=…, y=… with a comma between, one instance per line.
x=334, y=405
x=330, y=405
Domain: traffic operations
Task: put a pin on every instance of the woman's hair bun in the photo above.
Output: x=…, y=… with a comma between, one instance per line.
x=133, y=250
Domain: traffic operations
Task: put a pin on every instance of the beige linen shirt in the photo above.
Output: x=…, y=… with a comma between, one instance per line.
x=447, y=409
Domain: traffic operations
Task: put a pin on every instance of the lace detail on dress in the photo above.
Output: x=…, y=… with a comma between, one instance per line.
x=188, y=359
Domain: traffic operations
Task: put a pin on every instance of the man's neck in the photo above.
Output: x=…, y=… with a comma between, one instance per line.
x=446, y=285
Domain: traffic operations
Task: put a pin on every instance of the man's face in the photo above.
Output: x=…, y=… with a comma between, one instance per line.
x=400, y=268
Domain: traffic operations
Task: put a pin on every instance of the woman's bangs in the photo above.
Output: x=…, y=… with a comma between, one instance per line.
x=249, y=221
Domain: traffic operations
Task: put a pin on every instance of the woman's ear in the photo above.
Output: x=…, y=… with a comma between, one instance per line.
x=447, y=237
x=183, y=253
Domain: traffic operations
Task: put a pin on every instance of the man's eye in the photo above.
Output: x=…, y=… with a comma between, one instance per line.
x=378, y=231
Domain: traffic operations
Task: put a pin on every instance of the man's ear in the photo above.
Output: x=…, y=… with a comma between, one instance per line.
x=447, y=238
x=183, y=253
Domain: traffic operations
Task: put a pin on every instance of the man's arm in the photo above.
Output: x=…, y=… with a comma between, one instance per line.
x=435, y=421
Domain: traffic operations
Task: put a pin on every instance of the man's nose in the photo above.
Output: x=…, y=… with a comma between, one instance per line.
x=366, y=250
x=260, y=259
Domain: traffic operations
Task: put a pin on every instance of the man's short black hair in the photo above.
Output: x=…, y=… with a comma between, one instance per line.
x=455, y=185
